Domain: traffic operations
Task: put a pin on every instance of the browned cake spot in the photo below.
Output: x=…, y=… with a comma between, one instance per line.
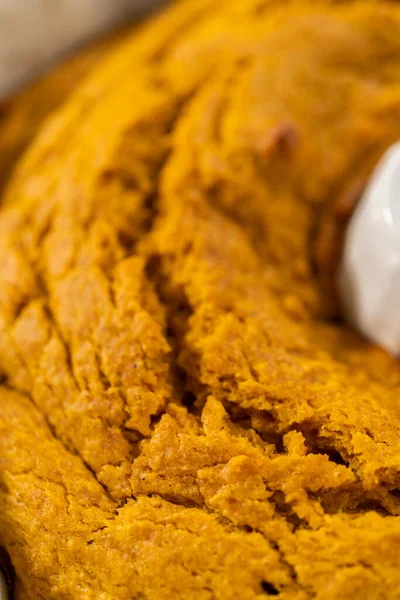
x=329, y=243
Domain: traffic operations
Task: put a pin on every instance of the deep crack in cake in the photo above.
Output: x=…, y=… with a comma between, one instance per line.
x=180, y=415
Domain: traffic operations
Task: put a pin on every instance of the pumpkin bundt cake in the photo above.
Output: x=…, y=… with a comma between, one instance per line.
x=183, y=412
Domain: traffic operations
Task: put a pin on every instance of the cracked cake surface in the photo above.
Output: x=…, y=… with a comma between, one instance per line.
x=181, y=416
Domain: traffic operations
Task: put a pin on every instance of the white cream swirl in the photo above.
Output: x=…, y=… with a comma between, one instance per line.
x=369, y=277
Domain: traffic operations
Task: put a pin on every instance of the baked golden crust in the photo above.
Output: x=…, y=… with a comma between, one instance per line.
x=178, y=418
x=22, y=115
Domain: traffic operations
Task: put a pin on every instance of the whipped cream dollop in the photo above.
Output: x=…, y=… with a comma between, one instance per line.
x=369, y=274
x=33, y=33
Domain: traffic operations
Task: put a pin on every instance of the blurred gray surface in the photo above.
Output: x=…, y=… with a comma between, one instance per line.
x=35, y=33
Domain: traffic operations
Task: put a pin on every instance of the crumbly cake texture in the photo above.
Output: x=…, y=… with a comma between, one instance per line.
x=179, y=418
